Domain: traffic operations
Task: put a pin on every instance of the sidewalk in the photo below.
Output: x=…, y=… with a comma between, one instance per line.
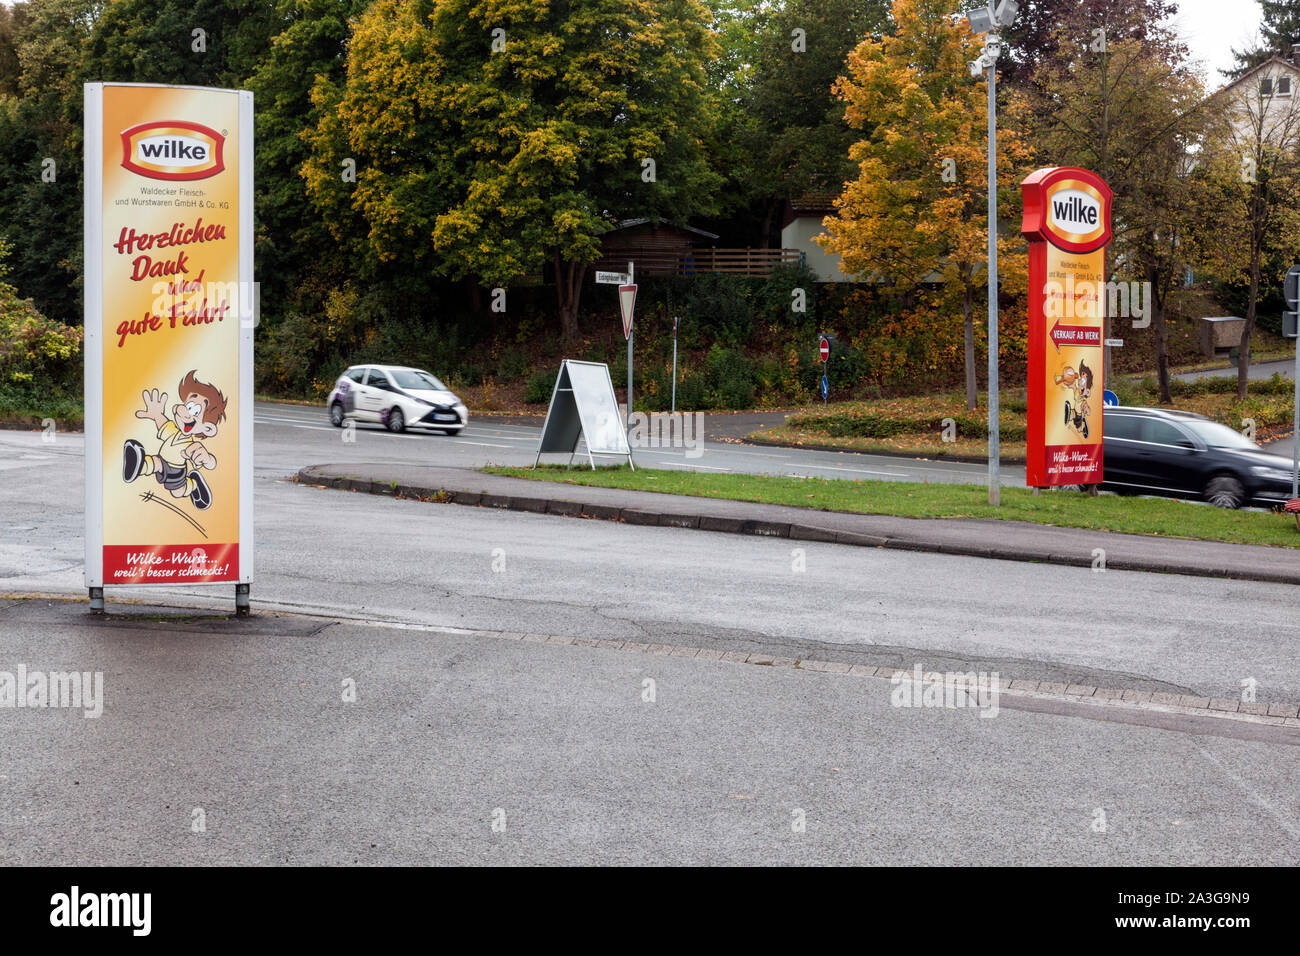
x=1009, y=540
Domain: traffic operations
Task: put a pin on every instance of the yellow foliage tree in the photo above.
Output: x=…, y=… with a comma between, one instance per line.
x=917, y=211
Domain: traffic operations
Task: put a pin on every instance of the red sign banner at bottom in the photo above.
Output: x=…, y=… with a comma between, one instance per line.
x=171, y=563
x=1073, y=464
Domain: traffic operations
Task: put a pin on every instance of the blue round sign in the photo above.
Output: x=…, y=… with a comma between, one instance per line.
x=1109, y=398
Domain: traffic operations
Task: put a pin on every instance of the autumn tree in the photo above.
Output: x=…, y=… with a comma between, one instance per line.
x=1124, y=110
x=917, y=210
x=1248, y=183
x=494, y=137
x=1042, y=26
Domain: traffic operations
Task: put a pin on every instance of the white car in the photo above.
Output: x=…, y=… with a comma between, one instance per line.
x=396, y=397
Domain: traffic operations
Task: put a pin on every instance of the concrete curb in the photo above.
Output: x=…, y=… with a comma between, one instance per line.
x=1275, y=715
x=545, y=503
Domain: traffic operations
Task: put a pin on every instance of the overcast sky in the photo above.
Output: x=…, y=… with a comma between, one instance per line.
x=1211, y=28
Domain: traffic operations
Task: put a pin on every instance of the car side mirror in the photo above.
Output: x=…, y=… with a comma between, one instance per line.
x=1184, y=443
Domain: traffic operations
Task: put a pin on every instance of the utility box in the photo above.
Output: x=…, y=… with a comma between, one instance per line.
x=1220, y=334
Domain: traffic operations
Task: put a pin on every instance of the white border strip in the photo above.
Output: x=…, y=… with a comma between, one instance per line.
x=93, y=320
x=246, y=331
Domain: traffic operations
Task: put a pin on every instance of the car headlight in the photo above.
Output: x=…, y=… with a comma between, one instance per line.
x=1268, y=471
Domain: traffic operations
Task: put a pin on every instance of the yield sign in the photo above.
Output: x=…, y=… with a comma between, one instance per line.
x=626, y=301
x=1074, y=335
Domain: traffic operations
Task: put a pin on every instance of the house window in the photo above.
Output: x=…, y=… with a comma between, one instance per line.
x=1266, y=86
x=1284, y=86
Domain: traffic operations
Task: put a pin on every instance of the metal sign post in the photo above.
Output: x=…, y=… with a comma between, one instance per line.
x=626, y=303
x=824, y=347
x=674, y=405
x=1291, y=289
x=995, y=451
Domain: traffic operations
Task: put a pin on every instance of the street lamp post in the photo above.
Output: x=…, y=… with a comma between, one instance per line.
x=987, y=20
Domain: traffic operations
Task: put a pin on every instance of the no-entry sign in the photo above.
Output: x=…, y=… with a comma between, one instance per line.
x=1067, y=223
x=825, y=347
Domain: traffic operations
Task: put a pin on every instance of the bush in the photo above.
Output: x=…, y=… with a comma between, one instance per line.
x=732, y=377
x=540, y=386
x=512, y=365
x=40, y=359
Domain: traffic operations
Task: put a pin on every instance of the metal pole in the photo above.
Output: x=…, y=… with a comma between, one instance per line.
x=994, y=450
x=631, y=280
x=1295, y=429
x=674, y=406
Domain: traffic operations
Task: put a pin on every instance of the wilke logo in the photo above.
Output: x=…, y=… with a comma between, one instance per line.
x=173, y=150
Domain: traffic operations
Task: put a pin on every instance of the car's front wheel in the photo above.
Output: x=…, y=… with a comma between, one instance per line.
x=1224, y=491
x=336, y=414
x=396, y=420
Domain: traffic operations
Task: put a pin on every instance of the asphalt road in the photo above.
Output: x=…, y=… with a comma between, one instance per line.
x=243, y=727
x=291, y=436
x=451, y=724
x=1258, y=370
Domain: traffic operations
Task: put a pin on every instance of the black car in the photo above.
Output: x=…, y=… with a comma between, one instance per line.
x=1153, y=451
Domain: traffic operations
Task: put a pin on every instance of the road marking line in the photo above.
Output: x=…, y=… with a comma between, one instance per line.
x=503, y=437
x=314, y=428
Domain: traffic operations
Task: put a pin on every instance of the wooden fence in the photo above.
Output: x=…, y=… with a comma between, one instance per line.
x=661, y=262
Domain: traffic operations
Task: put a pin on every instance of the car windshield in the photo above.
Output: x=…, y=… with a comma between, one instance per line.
x=411, y=378
x=1216, y=435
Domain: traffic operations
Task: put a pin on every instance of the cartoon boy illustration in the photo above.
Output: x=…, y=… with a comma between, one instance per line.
x=177, y=462
x=1081, y=384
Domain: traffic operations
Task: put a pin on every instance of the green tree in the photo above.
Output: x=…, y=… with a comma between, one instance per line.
x=1278, y=30
x=794, y=132
x=292, y=239
x=40, y=152
x=494, y=163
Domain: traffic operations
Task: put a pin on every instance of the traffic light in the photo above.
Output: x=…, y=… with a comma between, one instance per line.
x=1291, y=289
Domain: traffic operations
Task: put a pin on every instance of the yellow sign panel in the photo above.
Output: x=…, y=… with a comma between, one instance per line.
x=169, y=317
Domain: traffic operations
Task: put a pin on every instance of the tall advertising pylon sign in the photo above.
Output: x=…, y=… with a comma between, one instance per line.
x=170, y=310
x=1067, y=223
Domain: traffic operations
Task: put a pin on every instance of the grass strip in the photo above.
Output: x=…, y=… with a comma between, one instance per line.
x=1157, y=517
